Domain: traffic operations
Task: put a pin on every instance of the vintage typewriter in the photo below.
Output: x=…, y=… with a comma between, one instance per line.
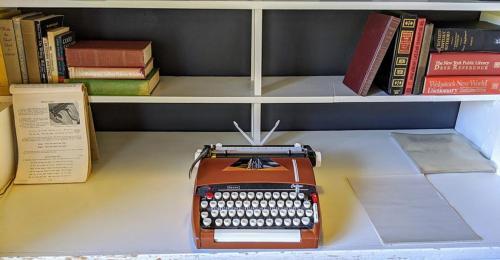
x=256, y=197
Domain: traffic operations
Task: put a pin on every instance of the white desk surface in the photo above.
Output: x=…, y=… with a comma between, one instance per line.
x=138, y=201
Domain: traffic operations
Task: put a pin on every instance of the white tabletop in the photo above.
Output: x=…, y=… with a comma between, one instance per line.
x=138, y=200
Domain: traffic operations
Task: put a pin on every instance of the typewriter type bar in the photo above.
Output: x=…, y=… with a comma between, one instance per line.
x=272, y=205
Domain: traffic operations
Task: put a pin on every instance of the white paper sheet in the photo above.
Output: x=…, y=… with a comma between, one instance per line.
x=443, y=153
x=408, y=209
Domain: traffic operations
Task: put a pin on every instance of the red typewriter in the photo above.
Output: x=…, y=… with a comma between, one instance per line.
x=256, y=197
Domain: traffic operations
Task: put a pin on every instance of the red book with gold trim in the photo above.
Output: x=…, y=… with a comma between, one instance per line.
x=464, y=63
x=415, y=54
x=461, y=85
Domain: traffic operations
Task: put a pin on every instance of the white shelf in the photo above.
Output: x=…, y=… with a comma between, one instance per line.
x=191, y=90
x=294, y=89
x=263, y=4
x=138, y=200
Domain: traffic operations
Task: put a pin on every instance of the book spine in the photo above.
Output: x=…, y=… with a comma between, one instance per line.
x=402, y=51
x=60, y=59
x=106, y=73
x=9, y=47
x=54, y=77
x=30, y=50
x=104, y=58
x=47, y=59
x=62, y=42
x=461, y=40
x=461, y=85
x=422, y=60
x=20, y=50
x=4, y=81
x=415, y=53
x=464, y=63
x=111, y=87
x=41, y=52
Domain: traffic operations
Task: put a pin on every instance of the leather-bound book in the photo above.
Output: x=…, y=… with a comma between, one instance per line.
x=109, y=54
x=370, y=51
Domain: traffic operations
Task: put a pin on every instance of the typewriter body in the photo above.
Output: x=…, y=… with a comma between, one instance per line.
x=256, y=197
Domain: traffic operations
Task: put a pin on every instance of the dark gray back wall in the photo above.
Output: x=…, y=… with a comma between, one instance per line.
x=217, y=42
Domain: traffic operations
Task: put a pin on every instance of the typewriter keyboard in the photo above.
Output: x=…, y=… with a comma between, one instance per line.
x=258, y=206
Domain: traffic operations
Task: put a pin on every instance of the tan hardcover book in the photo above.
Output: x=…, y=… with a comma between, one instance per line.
x=8, y=148
x=30, y=48
x=110, y=73
x=33, y=45
x=16, y=21
x=51, y=35
x=54, y=133
x=9, y=47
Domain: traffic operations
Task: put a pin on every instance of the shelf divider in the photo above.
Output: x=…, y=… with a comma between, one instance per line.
x=257, y=51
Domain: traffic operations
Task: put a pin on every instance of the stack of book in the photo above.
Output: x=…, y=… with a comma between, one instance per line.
x=466, y=61
x=32, y=48
x=404, y=54
x=113, y=68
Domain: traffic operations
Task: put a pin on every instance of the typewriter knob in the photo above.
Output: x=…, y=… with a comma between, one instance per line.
x=202, y=191
x=209, y=195
x=314, y=197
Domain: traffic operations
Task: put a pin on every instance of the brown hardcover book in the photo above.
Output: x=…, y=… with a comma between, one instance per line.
x=109, y=54
x=422, y=60
x=370, y=51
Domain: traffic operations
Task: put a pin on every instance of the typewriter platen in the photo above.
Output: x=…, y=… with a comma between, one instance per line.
x=256, y=197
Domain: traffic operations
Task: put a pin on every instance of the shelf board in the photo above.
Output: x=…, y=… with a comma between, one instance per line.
x=263, y=4
x=293, y=89
x=296, y=89
x=138, y=199
x=191, y=90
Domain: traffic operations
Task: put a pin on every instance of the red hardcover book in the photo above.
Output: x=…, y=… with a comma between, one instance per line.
x=461, y=85
x=116, y=54
x=370, y=51
x=415, y=54
x=464, y=63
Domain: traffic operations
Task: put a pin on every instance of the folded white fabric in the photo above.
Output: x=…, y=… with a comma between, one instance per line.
x=443, y=153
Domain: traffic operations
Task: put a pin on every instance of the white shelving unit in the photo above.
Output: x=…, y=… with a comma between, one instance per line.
x=256, y=89
x=478, y=119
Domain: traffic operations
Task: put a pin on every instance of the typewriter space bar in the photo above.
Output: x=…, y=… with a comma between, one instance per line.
x=257, y=235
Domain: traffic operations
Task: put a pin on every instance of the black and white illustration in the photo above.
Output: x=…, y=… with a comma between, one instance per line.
x=64, y=114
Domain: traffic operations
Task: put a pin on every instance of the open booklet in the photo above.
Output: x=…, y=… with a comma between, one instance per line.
x=55, y=134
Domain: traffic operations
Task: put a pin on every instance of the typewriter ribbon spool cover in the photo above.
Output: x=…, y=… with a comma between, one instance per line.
x=256, y=197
